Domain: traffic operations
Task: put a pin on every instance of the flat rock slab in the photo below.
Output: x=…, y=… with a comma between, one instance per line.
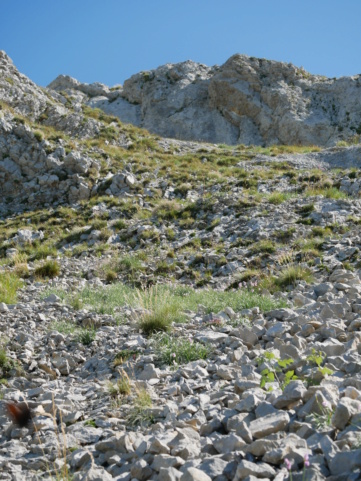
x=272, y=423
x=345, y=462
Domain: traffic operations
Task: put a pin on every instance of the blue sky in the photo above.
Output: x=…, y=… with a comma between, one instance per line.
x=109, y=40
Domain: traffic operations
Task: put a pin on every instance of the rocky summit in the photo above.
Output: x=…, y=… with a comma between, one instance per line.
x=173, y=309
x=245, y=101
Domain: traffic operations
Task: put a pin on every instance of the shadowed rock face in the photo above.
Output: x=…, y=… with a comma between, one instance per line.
x=246, y=100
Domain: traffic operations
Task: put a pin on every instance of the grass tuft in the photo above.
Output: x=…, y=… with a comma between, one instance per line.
x=49, y=269
x=9, y=285
x=159, y=312
x=139, y=414
x=289, y=275
x=178, y=350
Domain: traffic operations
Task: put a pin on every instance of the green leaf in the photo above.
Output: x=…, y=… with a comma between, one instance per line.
x=285, y=362
x=325, y=371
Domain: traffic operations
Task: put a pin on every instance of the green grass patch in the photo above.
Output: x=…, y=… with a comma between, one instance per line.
x=139, y=414
x=290, y=274
x=278, y=198
x=265, y=246
x=84, y=335
x=167, y=302
x=49, y=269
x=122, y=387
x=9, y=285
x=178, y=350
x=329, y=192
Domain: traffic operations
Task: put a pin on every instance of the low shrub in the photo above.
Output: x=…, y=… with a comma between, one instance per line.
x=178, y=350
x=49, y=269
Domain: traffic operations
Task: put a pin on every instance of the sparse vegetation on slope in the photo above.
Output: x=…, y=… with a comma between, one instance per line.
x=148, y=284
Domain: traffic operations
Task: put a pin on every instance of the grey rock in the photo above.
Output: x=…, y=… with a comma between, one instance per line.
x=345, y=409
x=194, y=474
x=94, y=474
x=345, y=462
x=214, y=467
x=294, y=391
x=259, y=470
x=165, y=461
x=223, y=102
x=141, y=470
x=272, y=423
x=169, y=474
x=228, y=443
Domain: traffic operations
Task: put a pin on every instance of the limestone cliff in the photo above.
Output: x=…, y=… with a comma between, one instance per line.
x=246, y=100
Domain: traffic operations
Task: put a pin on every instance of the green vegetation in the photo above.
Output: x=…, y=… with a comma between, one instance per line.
x=159, y=309
x=7, y=364
x=9, y=285
x=140, y=413
x=265, y=246
x=277, y=198
x=329, y=192
x=64, y=327
x=91, y=423
x=323, y=420
x=174, y=300
x=86, y=336
x=122, y=356
x=49, y=269
x=178, y=350
x=277, y=370
x=290, y=274
x=83, y=335
x=122, y=387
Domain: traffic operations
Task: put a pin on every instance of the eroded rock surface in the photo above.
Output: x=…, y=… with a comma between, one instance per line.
x=244, y=101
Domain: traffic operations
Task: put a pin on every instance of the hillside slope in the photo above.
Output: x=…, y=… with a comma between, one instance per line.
x=173, y=310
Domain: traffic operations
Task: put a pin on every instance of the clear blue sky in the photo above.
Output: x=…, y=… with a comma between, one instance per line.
x=109, y=40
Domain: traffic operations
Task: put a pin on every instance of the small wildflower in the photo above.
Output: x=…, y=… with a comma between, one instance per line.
x=326, y=404
x=306, y=460
x=173, y=354
x=288, y=464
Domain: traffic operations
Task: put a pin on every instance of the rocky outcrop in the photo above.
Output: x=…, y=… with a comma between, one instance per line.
x=43, y=167
x=246, y=100
x=41, y=105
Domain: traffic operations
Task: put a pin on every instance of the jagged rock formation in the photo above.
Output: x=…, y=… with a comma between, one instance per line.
x=51, y=165
x=245, y=101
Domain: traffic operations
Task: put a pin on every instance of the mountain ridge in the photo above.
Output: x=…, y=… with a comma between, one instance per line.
x=244, y=101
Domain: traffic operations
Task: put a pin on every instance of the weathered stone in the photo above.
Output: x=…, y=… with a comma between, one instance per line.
x=345, y=409
x=294, y=391
x=169, y=474
x=141, y=470
x=259, y=470
x=194, y=474
x=345, y=462
x=272, y=423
